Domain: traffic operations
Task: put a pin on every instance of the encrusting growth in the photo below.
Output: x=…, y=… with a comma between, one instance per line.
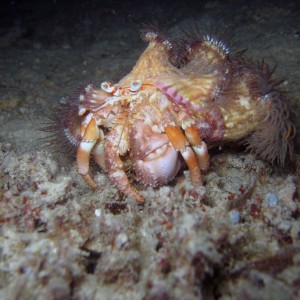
x=168, y=110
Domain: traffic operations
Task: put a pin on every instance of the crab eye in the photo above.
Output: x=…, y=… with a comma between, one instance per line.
x=107, y=87
x=135, y=85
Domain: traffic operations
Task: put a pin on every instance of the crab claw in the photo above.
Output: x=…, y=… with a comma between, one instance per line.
x=180, y=142
x=156, y=161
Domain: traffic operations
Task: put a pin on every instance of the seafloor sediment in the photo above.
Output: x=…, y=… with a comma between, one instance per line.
x=237, y=237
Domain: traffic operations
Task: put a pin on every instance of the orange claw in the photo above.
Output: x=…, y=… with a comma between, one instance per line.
x=179, y=141
x=194, y=137
x=90, y=137
x=176, y=137
x=192, y=133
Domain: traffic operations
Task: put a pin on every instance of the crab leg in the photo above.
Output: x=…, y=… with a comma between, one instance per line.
x=193, y=135
x=98, y=151
x=98, y=154
x=179, y=141
x=90, y=137
x=114, y=167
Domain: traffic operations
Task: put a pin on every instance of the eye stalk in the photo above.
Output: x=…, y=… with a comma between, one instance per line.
x=117, y=91
x=111, y=89
x=107, y=87
x=135, y=85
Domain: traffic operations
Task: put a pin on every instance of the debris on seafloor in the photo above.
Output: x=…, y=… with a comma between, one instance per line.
x=59, y=238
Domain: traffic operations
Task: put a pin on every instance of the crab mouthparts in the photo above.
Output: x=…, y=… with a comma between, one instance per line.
x=156, y=153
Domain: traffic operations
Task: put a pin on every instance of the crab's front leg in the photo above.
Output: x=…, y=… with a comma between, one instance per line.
x=179, y=141
x=192, y=148
x=90, y=138
x=114, y=165
x=193, y=135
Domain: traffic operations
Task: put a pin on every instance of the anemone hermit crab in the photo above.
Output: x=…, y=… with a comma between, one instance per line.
x=172, y=107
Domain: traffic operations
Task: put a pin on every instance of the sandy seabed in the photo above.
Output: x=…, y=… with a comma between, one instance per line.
x=237, y=237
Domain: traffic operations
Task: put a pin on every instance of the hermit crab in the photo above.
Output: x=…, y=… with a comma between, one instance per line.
x=174, y=105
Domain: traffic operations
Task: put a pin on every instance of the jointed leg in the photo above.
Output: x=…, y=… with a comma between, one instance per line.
x=179, y=141
x=98, y=151
x=114, y=167
x=90, y=137
x=193, y=135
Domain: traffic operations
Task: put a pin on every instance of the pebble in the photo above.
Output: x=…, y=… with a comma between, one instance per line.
x=271, y=199
x=234, y=216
